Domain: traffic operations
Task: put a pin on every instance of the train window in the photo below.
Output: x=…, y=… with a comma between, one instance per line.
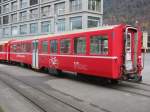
x=80, y=45
x=1, y=48
x=128, y=42
x=45, y=46
x=14, y=47
x=53, y=46
x=65, y=46
x=28, y=47
x=99, y=45
x=18, y=47
x=23, y=47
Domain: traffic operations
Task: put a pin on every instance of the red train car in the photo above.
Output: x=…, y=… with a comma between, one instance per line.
x=4, y=50
x=112, y=52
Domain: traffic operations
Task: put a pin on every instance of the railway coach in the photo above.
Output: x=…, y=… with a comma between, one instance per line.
x=111, y=52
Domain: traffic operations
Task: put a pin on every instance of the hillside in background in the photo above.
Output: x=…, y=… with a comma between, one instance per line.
x=127, y=11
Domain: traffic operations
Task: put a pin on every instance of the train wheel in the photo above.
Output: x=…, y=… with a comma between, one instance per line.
x=139, y=79
x=114, y=81
x=55, y=72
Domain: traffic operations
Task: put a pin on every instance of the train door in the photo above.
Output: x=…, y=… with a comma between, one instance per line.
x=80, y=54
x=35, y=59
x=131, y=48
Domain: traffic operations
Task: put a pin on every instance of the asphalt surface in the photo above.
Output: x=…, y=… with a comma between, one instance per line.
x=83, y=95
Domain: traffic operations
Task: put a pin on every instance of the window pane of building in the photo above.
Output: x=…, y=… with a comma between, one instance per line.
x=33, y=2
x=60, y=8
x=99, y=45
x=45, y=11
x=6, y=8
x=23, y=3
x=1, y=32
x=34, y=28
x=65, y=46
x=93, y=21
x=75, y=5
x=0, y=21
x=94, y=5
x=33, y=13
x=5, y=19
x=14, y=6
x=14, y=30
x=23, y=29
x=44, y=1
x=5, y=0
x=23, y=16
x=45, y=46
x=6, y=32
x=61, y=25
x=45, y=26
x=0, y=9
x=80, y=45
x=53, y=46
x=14, y=17
x=76, y=23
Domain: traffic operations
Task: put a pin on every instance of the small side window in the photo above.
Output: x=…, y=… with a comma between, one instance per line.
x=128, y=42
x=1, y=48
x=80, y=45
x=53, y=46
x=99, y=45
x=65, y=46
x=28, y=47
x=14, y=48
x=45, y=46
x=23, y=47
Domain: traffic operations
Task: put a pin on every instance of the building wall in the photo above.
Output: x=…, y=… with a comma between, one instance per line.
x=31, y=17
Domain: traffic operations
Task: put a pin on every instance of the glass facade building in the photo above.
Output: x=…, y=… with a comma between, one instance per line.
x=36, y=17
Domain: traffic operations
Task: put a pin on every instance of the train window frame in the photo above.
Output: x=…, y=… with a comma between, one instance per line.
x=42, y=47
x=85, y=45
x=102, y=52
x=55, y=51
x=68, y=49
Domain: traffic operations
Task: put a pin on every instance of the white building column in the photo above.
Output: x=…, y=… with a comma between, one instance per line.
x=85, y=5
x=102, y=12
x=84, y=21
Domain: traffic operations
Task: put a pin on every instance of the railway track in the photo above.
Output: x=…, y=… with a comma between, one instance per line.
x=140, y=89
x=43, y=100
x=133, y=88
